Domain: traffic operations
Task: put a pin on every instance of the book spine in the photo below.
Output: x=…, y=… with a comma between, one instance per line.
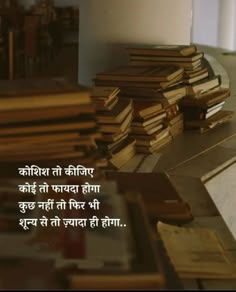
x=196, y=114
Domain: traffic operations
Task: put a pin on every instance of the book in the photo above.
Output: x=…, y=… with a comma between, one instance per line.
x=120, y=147
x=62, y=159
x=179, y=117
x=120, y=160
x=188, y=59
x=203, y=86
x=117, y=128
x=105, y=146
x=208, y=99
x=140, y=84
x=147, y=122
x=151, y=63
x=45, y=101
x=162, y=73
x=143, y=109
x=172, y=111
x=193, y=79
x=29, y=148
x=106, y=93
x=151, y=140
x=196, y=252
x=155, y=147
x=101, y=106
x=152, y=60
x=178, y=91
x=148, y=116
x=214, y=121
x=40, y=114
x=148, y=130
x=145, y=137
x=117, y=114
x=44, y=121
x=47, y=128
x=113, y=137
x=34, y=139
x=177, y=126
x=211, y=113
x=34, y=86
x=198, y=71
x=198, y=113
x=163, y=50
x=104, y=96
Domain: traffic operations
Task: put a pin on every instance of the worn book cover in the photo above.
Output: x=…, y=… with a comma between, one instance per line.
x=196, y=252
x=163, y=50
x=143, y=73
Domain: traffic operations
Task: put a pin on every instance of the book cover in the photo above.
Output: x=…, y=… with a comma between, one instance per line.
x=143, y=73
x=163, y=50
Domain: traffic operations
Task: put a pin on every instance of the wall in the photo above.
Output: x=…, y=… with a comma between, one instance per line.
x=227, y=24
x=107, y=26
x=214, y=23
x=205, y=22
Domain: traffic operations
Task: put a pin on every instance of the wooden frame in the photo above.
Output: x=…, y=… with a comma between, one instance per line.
x=147, y=269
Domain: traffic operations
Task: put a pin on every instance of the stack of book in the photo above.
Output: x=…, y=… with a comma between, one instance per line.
x=47, y=128
x=196, y=74
x=169, y=99
x=114, y=117
x=204, y=97
x=204, y=111
x=174, y=120
x=185, y=56
x=147, y=87
x=148, y=127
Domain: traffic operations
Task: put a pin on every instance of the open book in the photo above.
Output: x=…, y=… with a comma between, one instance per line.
x=196, y=252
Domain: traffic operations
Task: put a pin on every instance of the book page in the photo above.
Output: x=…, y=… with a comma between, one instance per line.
x=196, y=252
x=222, y=188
